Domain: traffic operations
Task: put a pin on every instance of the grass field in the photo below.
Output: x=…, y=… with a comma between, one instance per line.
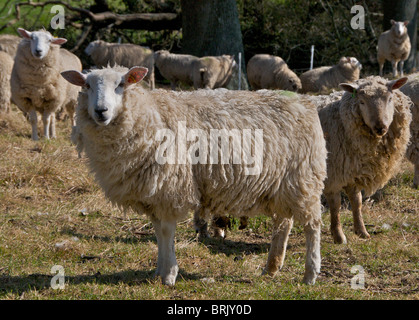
x=53, y=213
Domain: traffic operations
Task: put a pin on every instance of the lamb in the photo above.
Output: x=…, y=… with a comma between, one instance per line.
x=6, y=65
x=265, y=71
x=9, y=44
x=213, y=72
x=367, y=132
x=135, y=141
x=411, y=89
x=394, y=45
x=176, y=67
x=122, y=54
x=322, y=79
x=36, y=83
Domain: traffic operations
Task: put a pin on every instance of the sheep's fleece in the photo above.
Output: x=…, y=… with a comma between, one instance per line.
x=122, y=156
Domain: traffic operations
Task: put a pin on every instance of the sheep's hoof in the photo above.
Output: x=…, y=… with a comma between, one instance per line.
x=339, y=237
x=310, y=278
x=363, y=234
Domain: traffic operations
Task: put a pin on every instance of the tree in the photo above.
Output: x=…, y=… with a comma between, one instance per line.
x=212, y=28
x=403, y=10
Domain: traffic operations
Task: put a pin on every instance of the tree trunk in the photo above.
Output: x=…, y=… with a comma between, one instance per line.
x=402, y=10
x=212, y=28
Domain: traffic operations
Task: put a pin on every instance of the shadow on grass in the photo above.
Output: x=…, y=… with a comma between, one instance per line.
x=24, y=283
x=234, y=248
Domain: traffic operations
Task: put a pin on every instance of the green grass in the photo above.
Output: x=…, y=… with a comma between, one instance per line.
x=48, y=199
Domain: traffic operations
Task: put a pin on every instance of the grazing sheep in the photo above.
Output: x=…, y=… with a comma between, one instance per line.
x=9, y=44
x=176, y=67
x=126, y=132
x=325, y=78
x=122, y=54
x=36, y=83
x=6, y=66
x=394, y=45
x=366, y=133
x=411, y=89
x=265, y=71
x=213, y=72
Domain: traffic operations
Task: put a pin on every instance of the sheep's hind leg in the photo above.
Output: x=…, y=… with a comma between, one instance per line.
x=416, y=178
x=313, y=260
x=276, y=256
x=333, y=199
x=33, y=119
x=355, y=197
x=52, y=131
x=167, y=266
x=46, y=119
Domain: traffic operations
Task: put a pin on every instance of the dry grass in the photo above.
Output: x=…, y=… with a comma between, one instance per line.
x=52, y=213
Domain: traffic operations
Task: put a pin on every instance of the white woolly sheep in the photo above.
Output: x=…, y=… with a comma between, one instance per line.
x=265, y=71
x=366, y=133
x=122, y=54
x=127, y=133
x=325, y=78
x=176, y=67
x=411, y=89
x=6, y=66
x=394, y=46
x=36, y=83
x=213, y=72
x=9, y=44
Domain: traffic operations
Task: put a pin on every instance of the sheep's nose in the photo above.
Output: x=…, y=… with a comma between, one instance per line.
x=100, y=112
x=38, y=52
x=380, y=130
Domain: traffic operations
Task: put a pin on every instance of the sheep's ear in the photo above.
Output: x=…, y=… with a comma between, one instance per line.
x=406, y=22
x=59, y=41
x=393, y=22
x=348, y=87
x=396, y=84
x=24, y=33
x=135, y=74
x=74, y=77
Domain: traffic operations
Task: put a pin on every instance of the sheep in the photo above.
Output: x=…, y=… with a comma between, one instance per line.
x=36, y=83
x=394, y=45
x=411, y=89
x=176, y=67
x=322, y=79
x=129, y=136
x=9, y=44
x=6, y=66
x=122, y=54
x=213, y=72
x=265, y=71
x=367, y=132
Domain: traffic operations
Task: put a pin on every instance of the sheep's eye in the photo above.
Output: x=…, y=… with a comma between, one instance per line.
x=121, y=85
x=87, y=86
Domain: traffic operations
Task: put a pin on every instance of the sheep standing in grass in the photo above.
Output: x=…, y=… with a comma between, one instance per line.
x=325, y=78
x=36, y=83
x=411, y=89
x=265, y=71
x=366, y=133
x=6, y=66
x=394, y=46
x=213, y=72
x=122, y=54
x=176, y=67
x=127, y=133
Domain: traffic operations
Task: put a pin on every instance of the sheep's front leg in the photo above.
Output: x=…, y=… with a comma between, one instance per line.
x=355, y=197
x=52, y=127
x=167, y=267
x=401, y=68
x=333, y=199
x=33, y=119
x=276, y=256
x=394, y=66
x=313, y=259
x=46, y=119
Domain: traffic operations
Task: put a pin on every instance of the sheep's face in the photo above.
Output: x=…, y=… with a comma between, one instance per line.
x=350, y=62
x=399, y=27
x=294, y=84
x=375, y=102
x=105, y=90
x=40, y=42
